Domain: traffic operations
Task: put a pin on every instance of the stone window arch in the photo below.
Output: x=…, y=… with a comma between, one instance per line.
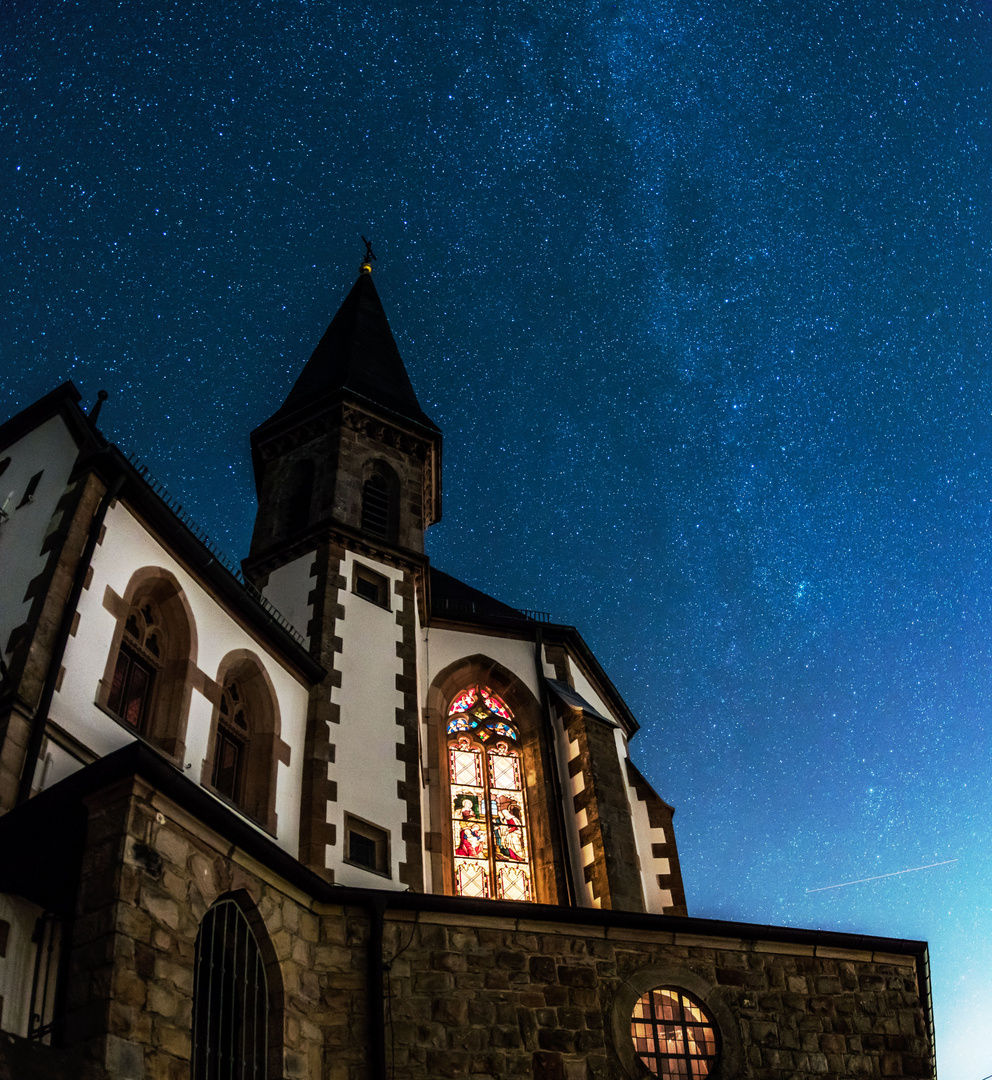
x=535, y=822
x=147, y=682
x=245, y=748
x=381, y=502
x=237, y=995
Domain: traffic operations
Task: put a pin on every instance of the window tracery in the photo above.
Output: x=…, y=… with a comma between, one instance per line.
x=139, y=661
x=489, y=824
x=230, y=749
x=146, y=681
x=244, y=745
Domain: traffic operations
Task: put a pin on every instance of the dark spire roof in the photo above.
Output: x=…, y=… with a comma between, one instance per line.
x=357, y=355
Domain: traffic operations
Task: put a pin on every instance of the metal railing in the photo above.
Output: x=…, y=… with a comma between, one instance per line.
x=159, y=490
x=454, y=605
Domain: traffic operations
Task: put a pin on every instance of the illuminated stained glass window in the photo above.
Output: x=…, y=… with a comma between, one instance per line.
x=464, y=700
x=673, y=1034
x=495, y=704
x=490, y=837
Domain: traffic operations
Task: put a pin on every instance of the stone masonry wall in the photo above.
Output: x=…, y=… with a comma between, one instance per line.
x=471, y=996
x=149, y=874
x=493, y=998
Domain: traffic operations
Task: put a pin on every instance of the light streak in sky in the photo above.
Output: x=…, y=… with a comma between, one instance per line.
x=878, y=877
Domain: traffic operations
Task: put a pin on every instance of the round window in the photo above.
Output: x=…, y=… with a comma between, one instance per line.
x=673, y=1034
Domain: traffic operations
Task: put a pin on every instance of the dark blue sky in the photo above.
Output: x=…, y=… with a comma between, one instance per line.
x=698, y=295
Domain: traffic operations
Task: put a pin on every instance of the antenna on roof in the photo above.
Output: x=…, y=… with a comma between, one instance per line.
x=369, y=257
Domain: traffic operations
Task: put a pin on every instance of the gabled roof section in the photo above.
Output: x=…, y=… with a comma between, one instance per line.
x=452, y=601
x=62, y=400
x=357, y=355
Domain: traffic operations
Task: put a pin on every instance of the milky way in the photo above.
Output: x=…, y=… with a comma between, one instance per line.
x=697, y=294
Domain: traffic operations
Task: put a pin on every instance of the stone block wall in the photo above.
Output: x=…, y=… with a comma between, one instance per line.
x=150, y=872
x=465, y=994
x=474, y=997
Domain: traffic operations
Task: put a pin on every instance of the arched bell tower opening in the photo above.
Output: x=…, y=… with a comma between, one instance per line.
x=350, y=448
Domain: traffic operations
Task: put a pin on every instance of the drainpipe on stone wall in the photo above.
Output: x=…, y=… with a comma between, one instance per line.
x=33, y=751
x=376, y=997
x=566, y=856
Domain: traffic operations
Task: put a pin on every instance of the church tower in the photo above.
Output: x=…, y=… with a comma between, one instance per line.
x=347, y=472
x=350, y=447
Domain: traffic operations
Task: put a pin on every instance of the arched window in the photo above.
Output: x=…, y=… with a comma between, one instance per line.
x=230, y=999
x=139, y=660
x=488, y=806
x=230, y=749
x=380, y=502
x=146, y=683
x=245, y=749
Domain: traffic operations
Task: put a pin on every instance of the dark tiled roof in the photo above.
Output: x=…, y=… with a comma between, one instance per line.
x=358, y=354
x=453, y=599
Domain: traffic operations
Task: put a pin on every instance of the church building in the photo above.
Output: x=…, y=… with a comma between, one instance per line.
x=333, y=814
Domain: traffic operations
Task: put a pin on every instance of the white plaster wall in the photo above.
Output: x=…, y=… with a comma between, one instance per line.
x=444, y=647
x=584, y=687
x=49, y=447
x=656, y=899
x=54, y=763
x=17, y=967
x=365, y=767
x=288, y=590
x=127, y=547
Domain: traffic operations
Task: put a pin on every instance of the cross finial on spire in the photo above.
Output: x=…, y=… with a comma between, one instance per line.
x=369, y=257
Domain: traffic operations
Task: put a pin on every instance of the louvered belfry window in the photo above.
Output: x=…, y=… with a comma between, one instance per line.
x=375, y=507
x=230, y=999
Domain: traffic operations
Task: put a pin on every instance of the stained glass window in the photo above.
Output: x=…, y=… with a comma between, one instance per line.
x=462, y=723
x=673, y=1034
x=464, y=700
x=488, y=808
x=495, y=704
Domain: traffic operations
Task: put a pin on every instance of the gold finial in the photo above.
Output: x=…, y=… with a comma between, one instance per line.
x=369, y=257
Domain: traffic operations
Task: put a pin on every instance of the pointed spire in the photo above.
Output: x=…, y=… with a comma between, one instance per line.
x=357, y=355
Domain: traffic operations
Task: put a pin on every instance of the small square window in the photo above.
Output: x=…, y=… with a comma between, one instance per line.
x=371, y=586
x=366, y=845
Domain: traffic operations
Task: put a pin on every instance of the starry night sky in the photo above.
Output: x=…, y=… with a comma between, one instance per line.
x=697, y=294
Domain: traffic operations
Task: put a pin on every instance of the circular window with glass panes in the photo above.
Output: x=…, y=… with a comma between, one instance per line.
x=673, y=1034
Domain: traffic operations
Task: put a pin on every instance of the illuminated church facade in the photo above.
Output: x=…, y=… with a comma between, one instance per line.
x=336, y=814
